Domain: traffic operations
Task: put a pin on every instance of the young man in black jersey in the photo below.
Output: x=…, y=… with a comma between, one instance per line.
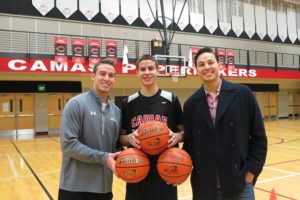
x=150, y=103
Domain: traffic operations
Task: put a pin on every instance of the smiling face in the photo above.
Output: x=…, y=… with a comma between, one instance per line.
x=147, y=72
x=208, y=67
x=104, y=79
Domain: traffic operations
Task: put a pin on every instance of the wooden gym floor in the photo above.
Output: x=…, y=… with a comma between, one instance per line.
x=29, y=169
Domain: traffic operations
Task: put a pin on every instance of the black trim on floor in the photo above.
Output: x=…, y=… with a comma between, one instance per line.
x=34, y=174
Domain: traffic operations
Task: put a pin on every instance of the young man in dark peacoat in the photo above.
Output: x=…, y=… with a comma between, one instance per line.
x=228, y=142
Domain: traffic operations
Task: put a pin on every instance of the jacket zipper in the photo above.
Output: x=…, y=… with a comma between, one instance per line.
x=103, y=119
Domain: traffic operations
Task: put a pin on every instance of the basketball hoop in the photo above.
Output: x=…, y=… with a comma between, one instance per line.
x=174, y=76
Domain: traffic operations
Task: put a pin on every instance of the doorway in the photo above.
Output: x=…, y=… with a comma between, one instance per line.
x=17, y=116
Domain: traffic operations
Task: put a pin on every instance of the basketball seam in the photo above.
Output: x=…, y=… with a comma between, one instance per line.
x=133, y=166
x=164, y=162
x=175, y=176
x=153, y=136
x=157, y=148
x=181, y=153
x=120, y=156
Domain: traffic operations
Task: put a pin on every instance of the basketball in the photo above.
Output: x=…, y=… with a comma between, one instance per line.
x=153, y=137
x=174, y=165
x=132, y=165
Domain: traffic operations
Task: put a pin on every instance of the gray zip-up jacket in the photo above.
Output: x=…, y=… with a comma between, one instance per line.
x=88, y=134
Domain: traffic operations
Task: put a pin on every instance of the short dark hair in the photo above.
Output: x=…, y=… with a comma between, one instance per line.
x=103, y=61
x=146, y=57
x=205, y=50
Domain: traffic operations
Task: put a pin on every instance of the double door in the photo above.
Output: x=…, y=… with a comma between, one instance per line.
x=294, y=104
x=17, y=115
x=270, y=102
x=56, y=103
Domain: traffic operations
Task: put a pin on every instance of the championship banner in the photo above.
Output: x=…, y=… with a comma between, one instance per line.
x=221, y=58
x=94, y=51
x=111, y=50
x=60, y=44
x=78, y=50
x=125, y=54
x=192, y=54
x=230, y=59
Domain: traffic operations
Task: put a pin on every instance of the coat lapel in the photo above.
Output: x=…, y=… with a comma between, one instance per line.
x=227, y=94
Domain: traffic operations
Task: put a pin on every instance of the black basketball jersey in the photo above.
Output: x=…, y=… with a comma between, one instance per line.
x=163, y=106
x=136, y=109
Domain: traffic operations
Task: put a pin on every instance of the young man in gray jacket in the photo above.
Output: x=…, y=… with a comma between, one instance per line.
x=90, y=129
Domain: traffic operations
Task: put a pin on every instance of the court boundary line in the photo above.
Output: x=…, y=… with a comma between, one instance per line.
x=280, y=170
x=277, y=194
x=281, y=140
x=278, y=178
x=282, y=162
x=34, y=174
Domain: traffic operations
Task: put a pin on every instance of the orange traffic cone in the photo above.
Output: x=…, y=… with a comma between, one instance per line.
x=273, y=195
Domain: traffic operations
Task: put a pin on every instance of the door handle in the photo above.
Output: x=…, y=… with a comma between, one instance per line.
x=29, y=115
x=7, y=116
x=51, y=114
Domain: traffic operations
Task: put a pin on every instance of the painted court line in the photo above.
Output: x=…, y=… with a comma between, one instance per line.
x=280, y=170
x=278, y=195
x=12, y=166
x=278, y=178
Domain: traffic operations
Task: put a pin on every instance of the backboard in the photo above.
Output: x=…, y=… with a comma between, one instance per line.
x=171, y=65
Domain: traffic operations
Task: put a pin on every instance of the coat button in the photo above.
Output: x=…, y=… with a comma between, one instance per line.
x=199, y=132
x=235, y=166
x=230, y=124
x=198, y=153
x=233, y=145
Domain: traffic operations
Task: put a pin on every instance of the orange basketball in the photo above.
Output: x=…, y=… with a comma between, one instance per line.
x=132, y=165
x=174, y=165
x=153, y=137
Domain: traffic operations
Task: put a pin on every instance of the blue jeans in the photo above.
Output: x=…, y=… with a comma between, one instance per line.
x=247, y=194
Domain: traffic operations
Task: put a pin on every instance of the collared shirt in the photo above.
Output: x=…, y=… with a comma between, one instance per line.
x=213, y=102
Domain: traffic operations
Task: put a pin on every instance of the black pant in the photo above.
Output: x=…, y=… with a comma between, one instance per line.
x=151, y=188
x=68, y=195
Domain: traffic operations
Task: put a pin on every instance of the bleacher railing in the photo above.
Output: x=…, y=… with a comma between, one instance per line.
x=43, y=43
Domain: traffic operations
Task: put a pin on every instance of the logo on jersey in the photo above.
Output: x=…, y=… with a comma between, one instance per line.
x=93, y=113
x=138, y=120
x=113, y=118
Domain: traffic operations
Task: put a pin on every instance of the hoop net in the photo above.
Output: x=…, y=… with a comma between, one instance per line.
x=174, y=76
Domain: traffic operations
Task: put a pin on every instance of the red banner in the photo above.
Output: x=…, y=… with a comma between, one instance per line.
x=94, y=51
x=111, y=50
x=94, y=48
x=78, y=50
x=195, y=51
x=221, y=58
x=230, y=59
x=60, y=44
x=35, y=65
